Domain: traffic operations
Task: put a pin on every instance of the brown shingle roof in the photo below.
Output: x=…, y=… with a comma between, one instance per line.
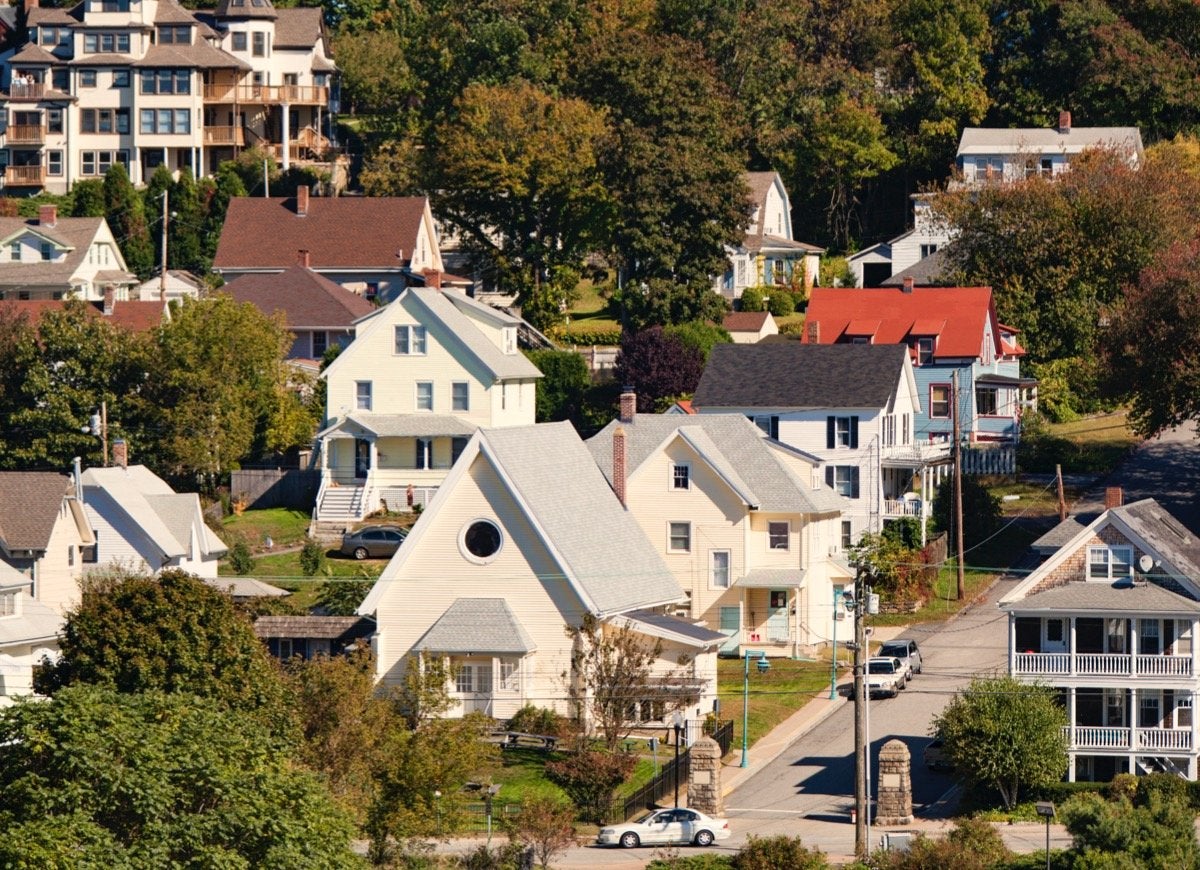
x=47, y=15
x=312, y=626
x=307, y=300
x=30, y=502
x=170, y=12
x=342, y=232
x=746, y=321
x=134, y=316
x=298, y=28
x=31, y=54
x=245, y=9
x=198, y=54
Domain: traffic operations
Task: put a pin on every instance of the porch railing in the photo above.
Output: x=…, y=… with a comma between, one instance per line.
x=25, y=134
x=224, y=136
x=1164, y=666
x=1114, y=737
x=18, y=175
x=1043, y=663
x=1098, y=737
x=899, y=507
x=1103, y=664
x=264, y=94
x=1164, y=738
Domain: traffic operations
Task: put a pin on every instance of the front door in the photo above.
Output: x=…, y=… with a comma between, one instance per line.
x=1054, y=635
x=362, y=458
x=731, y=627
x=777, y=617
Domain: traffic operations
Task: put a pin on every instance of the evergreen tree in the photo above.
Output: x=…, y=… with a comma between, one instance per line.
x=127, y=219
x=152, y=200
x=185, y=250
x=89, y=198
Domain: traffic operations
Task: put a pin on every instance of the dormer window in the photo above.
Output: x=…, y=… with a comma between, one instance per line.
x=106, y=43
x=924, y=351
x=47, y=251
x=114, y=5
x=175, y=34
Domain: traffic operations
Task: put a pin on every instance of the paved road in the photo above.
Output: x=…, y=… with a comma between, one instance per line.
x=809, y=790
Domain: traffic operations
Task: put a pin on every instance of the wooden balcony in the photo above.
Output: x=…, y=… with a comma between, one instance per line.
x=1102, y=665
x=1144, y=739
x=264, y=95
x=224, y=136
x=29, y=91
x=25, y=134
x=24, y=176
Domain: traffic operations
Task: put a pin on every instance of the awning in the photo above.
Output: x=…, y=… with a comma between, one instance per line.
x=1006, y=381
x=477, y=625
x=773, y=578
x=399, y=426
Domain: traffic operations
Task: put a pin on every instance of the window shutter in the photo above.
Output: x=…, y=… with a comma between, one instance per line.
x=775, y=428
x=854, y=482
x=830, y=432
x=420, y=462
x=829, y=476
x=854, y=432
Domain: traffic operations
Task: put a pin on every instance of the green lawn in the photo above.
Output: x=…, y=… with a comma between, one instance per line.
x=1089, y=445
x=285, y=527
x=774, y=696
x=286, y=566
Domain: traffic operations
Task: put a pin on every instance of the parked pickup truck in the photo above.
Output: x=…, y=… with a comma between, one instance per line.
x=885, y=676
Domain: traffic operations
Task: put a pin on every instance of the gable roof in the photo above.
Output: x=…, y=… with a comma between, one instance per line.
x=477, y=625
x=299, y=27
x=312, y=626
x=37, y=622
x=790, y=374
x=732, y=446
x=307, y=300
x=927, y=272
x=1047, y=140
x=167, y=518
x=746, y=321
x=134, y=316
x=245, y=9
x=30, y=503
x=965, y=310
x=74, y=235
x=347, y=232
x=599, y=548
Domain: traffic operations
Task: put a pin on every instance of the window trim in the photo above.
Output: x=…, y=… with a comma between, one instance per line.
x=853, y=484
x=995, y=391
x=712, y=569
x=455, y=403
x=948, y=401
x=414, y=335
x=418, y=388
x=674, y=480
x=787, y=535
x=686, y=527
x=1108, y=552
x=359, y=395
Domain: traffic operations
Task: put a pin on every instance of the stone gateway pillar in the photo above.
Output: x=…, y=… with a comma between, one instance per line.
x=704, y=781
x=895, y=785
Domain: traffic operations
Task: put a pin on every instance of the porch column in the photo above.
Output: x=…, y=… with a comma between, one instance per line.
x=1070, y=734
x=1012, y=643
x=1133, y=725
x=1071, y=648
x=1192, y=638
x=287, y=156
x=925, y=503
x=1133, y=646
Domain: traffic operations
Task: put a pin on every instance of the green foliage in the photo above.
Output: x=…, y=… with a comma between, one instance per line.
x=782, y=302
x=503, y=856
x=752, y=299
x=658, y=366
x=546, y=825
x=971, y=845
x=662, y=302
x=585, y=337
x=1004, y=734
x=538, y=720
x=591, y=778
x=88, y=199
x=240, y=559
x=692, y=862
x=95, y=777
x=565, y=378
x=170, y=633
x=342, y=597
x=1159, y=835
x=312, y=557
x=126, y=218
x=981, y=510
x=778, y=853
x=375, y=75
x=896, y=567
x=700, y=335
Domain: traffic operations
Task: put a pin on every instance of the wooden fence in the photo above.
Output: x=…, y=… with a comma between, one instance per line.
x=989, y=460
x=276, y=487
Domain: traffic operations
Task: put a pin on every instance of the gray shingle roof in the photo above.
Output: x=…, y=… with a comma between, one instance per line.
x=605, y=553
x=691, y=630
x=328, y=627
x=928, y=272
x=477, y=625
x=734, y=447
x=399, y=426
x=1046, y=140
x=1106, y=598
x=794, y=375
x=36, y=622
x=30, y=502
x=297, y=28
x=73, y=233
x=1165, y=534
x=772, y=578
x=446, y=308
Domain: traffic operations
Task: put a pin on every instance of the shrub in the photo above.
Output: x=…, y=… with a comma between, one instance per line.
x=342, y=597
x=972, y=845
x=240, y=559
x=505, y=856
x=981, y=510
x=778, y=853
x=539, y=720
x=752, y=300
x=590, y=779
x=673, y=861
x=782, y=302
x=312, y=557
x=581, y=334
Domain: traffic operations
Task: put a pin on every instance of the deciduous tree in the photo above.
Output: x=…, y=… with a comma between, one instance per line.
x=1005, y=734
x=658, y=366
x=1158, y=834
x=565, y=379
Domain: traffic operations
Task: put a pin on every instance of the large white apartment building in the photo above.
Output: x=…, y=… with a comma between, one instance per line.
x=147, y=82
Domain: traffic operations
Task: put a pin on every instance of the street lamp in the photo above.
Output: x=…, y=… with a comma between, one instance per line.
x=677, y=722
x=1045, y=809
x=437, y=802
x=763, y=666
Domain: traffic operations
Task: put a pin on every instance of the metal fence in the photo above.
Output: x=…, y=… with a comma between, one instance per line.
x=722, y=732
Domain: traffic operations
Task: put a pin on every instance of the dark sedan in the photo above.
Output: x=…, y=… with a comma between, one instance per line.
x=373, y=542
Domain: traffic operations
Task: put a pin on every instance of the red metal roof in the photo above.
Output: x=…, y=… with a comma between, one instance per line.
x=962, y=311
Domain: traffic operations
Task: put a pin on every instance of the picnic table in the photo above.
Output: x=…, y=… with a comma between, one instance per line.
x=521, y=740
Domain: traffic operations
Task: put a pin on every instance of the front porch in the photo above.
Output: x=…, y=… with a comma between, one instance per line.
x=1143, y=729
x=1151, y=648
x=909, y=475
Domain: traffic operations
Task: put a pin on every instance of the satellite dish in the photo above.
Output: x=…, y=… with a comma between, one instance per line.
x=1145, y=563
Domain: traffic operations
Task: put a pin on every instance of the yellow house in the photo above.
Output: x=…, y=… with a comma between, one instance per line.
x=522, y=539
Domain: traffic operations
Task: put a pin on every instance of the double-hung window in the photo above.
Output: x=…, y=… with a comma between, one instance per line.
x=14, y=251
x=410, y=340
x=1110, y=563
x=778, y=534
x=841, y=432
x=719, y=563
x=924, y=351
x=260, y=44
x=681, y=476
x=939, y=400
x=362, y=395
x=843, y=479
x=987, y=401
x=239, y=41
x=679, y=537
x=460, y=396
x=424, y=395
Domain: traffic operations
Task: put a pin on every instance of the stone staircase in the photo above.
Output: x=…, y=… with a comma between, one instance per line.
x=340, y=508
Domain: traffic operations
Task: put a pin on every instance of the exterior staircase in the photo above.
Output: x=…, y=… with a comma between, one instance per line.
x=340, y=507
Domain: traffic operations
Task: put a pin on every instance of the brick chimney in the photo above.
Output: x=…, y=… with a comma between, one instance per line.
x=619, y=463
x=110, y=299
x=302, y=257
x=120, y=453
x=908, y=284
x=1064, y=122
x=628, y=404
x=48, y=215
x=814, y=332
x=433, y=278
x=1114, y=497
x=302, y=201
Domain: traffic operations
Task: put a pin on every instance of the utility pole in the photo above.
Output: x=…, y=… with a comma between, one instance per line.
x=266, y=179
x=162, y=279
x=958, y=505
x=104, y=430
x=1062, y=501
x=861, y=750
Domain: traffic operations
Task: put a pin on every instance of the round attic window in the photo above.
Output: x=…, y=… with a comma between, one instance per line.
x=482, y=540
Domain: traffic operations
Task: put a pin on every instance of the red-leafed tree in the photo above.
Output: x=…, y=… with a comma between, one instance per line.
x=659, y=366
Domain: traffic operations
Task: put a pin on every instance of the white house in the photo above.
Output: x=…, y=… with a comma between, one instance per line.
x=1110, y=620
x=873, y=265
x=769, y=255
x=141, y=524
x=523, y=538
x=741, y=520
x=852, y=406
x=52, y=257
x=45, y=543
x=422, y=374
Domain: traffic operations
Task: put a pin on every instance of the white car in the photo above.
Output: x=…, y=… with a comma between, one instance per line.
x=678, y=827
x=885, y=676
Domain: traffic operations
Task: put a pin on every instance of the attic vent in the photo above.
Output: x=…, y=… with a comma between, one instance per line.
x=1171, y=523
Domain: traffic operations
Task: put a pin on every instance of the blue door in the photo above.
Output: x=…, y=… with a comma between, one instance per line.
x=731, y=627
x=777, y=618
